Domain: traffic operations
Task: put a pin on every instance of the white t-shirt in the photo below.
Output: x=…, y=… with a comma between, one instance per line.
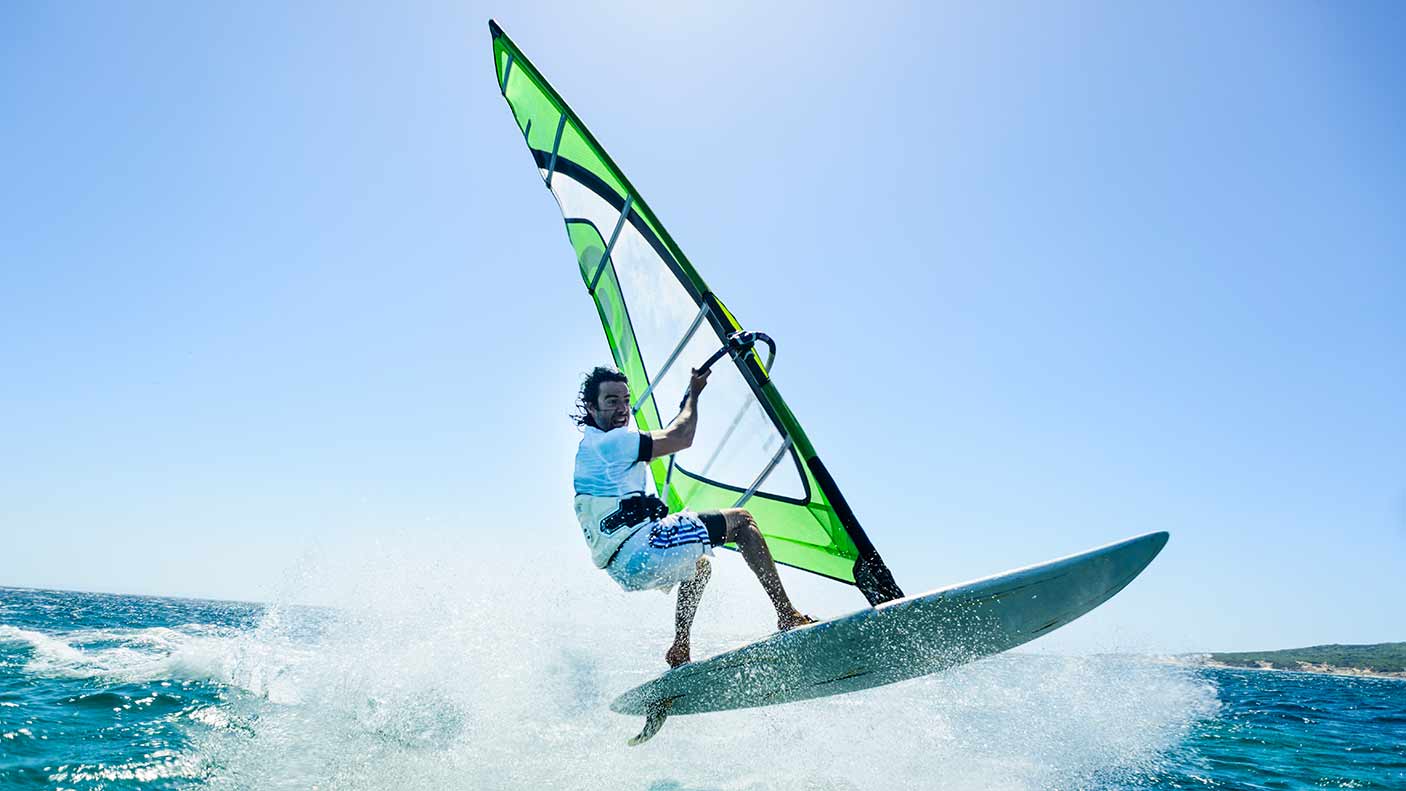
x=608, y=468
x=608, y=463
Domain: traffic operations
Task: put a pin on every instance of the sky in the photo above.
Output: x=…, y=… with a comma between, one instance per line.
x=276, y=278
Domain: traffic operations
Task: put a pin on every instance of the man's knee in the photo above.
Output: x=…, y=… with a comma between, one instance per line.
x=738, y=515
x=739, y=523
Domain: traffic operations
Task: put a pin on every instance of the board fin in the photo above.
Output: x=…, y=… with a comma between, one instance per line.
x=653, y=720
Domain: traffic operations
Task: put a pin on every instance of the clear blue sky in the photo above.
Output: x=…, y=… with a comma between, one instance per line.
x=280, y=277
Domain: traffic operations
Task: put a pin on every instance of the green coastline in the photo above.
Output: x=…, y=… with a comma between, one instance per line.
x=1376, y=659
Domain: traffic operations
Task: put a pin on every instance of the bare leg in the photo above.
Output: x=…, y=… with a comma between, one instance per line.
x=742, y=531
x=689, y=594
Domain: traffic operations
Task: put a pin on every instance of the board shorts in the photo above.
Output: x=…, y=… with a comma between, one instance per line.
x=665, y=553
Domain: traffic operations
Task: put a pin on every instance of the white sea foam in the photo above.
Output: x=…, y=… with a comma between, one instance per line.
x=438, y=674
x=51, y=655
x=196, y=652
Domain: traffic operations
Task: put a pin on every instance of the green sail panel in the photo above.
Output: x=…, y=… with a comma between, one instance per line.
x=648, y=296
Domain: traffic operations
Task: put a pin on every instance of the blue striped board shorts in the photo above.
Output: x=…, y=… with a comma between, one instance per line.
x=662, y=554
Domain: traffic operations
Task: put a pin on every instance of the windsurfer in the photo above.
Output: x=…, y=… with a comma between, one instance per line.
x=629, y=530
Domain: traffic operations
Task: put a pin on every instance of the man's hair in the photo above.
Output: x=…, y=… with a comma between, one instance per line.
x=590, y=390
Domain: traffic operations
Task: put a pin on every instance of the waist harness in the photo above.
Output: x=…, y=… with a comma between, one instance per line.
x=632, y=511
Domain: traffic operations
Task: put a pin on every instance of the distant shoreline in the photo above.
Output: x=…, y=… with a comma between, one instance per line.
x=1306, y=667
x=1375, y=660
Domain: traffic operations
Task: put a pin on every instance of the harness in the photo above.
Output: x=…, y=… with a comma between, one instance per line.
x=634, y=510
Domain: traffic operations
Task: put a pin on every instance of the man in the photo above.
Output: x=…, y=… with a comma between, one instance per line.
x=631, y=534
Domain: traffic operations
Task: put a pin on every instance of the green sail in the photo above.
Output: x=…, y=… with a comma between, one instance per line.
x=655, y=308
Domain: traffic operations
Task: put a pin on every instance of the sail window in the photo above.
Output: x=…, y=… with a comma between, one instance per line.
x=674, y=355
x=771, y=465
x=614, y=237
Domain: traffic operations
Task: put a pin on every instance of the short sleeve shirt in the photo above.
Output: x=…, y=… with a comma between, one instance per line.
x=608, y=462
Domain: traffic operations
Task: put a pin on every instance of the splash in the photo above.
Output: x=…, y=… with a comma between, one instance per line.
x=432, y=673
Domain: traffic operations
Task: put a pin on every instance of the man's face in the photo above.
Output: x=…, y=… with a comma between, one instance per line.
x=612, y=407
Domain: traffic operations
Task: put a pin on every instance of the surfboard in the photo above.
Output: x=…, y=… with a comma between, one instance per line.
x=897, y=640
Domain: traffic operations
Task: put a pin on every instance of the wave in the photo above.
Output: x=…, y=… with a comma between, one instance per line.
x=192, y=652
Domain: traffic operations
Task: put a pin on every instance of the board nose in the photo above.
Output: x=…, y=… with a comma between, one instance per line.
x=1145, y=548
x=1159, y=540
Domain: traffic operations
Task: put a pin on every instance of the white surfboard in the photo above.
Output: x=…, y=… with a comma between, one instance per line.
x=897, y=640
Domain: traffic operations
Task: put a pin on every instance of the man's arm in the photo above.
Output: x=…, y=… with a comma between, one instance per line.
x=679, y=434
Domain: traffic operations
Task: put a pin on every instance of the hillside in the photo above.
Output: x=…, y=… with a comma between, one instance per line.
x=1379, y=657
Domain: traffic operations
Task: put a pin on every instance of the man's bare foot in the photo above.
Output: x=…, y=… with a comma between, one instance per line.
x=678, y=654
x=796, y=618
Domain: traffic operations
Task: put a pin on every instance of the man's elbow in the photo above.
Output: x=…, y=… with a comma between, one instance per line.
x=686, y=438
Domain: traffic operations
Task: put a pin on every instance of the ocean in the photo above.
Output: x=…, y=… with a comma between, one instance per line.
x=124, y=692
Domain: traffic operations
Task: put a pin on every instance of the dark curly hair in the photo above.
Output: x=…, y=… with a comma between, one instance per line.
x=590, y=391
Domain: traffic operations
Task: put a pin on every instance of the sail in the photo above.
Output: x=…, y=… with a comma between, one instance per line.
x=661, y=319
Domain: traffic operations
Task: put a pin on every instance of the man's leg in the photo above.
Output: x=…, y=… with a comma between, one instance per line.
x=742, y=531
x=689, y=594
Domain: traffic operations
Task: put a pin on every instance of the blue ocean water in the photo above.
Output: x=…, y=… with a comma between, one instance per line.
x=122, y=692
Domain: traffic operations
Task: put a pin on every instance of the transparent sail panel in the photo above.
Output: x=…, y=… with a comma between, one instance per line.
x=736, y=439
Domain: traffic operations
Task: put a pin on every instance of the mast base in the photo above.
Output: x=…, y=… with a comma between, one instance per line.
x=875, y=581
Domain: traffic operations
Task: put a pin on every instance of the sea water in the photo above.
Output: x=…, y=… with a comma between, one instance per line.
x=431, y=678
